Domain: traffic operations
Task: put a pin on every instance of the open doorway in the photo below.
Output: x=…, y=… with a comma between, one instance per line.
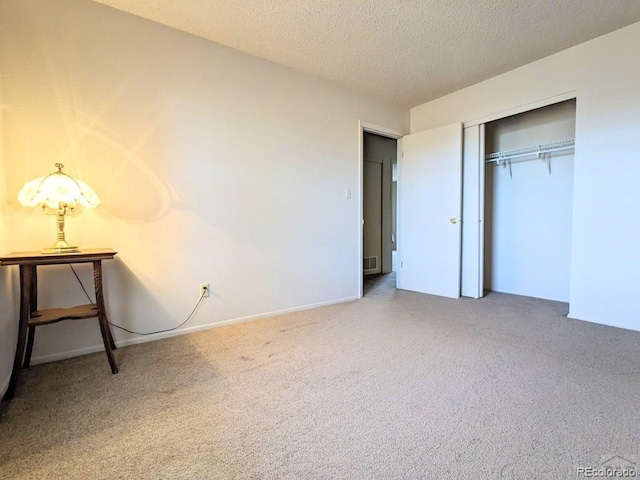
x=379, y=173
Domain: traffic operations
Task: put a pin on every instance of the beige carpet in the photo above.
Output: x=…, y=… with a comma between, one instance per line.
x=397, y=385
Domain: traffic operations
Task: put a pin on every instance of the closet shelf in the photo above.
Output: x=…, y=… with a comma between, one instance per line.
x=539, y=150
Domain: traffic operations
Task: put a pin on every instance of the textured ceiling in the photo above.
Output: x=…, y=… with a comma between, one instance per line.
x=406, y=51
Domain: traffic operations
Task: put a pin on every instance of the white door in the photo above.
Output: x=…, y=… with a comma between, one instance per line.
x=472, y=282
x=372, y=208
x=429, y=209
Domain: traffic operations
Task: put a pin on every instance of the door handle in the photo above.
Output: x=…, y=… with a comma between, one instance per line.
x=453, y=220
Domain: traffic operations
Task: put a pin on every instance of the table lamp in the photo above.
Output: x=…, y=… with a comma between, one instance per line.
x=58, y=194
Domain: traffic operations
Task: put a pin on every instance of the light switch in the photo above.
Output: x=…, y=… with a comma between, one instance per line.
x=347, y=193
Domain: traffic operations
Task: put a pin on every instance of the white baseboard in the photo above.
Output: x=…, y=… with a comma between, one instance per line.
x=53, y=357
x=182, y=331
x=633, y=328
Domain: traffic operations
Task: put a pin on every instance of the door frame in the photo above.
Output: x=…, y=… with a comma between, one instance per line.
x=383, y=132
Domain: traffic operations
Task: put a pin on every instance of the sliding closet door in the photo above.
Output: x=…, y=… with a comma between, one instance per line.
x=429, y=211
x=472, y=284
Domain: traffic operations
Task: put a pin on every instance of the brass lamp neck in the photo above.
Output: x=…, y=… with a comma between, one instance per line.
x=61, y=245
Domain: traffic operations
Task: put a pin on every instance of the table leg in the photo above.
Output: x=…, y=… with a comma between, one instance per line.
x=26, y=278
x=107, y=338
x=33, y=295
x=30, y=338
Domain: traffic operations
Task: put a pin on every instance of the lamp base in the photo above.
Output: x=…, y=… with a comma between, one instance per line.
x=60, y=247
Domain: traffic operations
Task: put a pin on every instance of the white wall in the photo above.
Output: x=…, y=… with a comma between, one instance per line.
x=528, y=210
x=605, y=74
x=212, y=166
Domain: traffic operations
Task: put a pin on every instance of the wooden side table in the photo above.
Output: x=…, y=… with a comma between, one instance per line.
x=30, y=317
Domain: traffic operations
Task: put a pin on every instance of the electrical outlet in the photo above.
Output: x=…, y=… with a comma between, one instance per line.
x=204, y=289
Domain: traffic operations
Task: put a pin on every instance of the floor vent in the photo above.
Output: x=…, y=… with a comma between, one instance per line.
x=369, y=263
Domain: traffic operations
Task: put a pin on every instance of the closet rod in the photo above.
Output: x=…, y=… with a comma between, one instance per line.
x=534, y=150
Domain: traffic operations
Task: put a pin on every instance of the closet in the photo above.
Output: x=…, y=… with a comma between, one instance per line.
x=528, y=190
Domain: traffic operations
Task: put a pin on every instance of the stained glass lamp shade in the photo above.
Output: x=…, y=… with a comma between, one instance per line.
x=58, y=194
